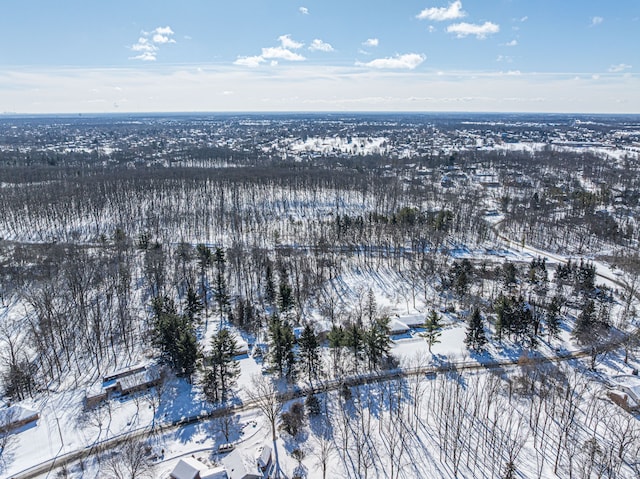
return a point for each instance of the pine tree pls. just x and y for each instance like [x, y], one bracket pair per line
[281, 342]
[552, 317]
[224, 369]
[309, 352]
[175, 336]
[377, 342]
[205, 258]
[371, 306]
[354, 340]
[193, 304]
[269, 287]
[285, 293]
[475, 338]
[220, 292]
[585, 322]
[432, 329]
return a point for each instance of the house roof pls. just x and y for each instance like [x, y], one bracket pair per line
[263, 455]
[631, 383]
[238, 468]
[187, 468]
[16, 414]
[397, 326]
[214, 473]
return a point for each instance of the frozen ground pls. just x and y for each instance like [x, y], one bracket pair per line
[64, 426]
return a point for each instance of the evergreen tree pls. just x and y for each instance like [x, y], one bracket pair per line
[281, 342]
[220, 292]
[175, 336]
[509, 274]
[377, 342]
[223, 371]
[552, 317]
[354, 340]
[285, 293]
[475, 338]
[312, 404]
[432, 329]
[585, 322]
[309, 352]
[269, 287]
[193, 304]
[205, 259]
[371, 306]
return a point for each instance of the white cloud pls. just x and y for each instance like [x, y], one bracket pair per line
[288, 43]
[524, 19]
[251, 62]
[304, 10]
[619, 68]
[439, 14]
[145, 57]
[596, 21]
[371, 42]
[148, 43]
[281, 53]
[164, 30]
[512, 43]
[158, 38]
[320, 46]
[407, 61]
[480, 31]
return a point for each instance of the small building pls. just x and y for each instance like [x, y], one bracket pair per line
[120, 373]
[238, 467]
[398, 327]
[214, 473]
[16, 416]
[191, 468]
[263, 457]
[629, 387]
[413, 320]
[188, 468]
[120, 383]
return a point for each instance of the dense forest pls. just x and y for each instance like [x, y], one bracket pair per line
[124, 240]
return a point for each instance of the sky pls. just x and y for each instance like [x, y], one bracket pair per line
[92, 56]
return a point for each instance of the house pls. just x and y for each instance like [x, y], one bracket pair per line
[629, 387]
[413, 320]
[214, 473]
[14, 417]
[188, 468]
[238, 467]
[191, 468]
[123, 382]
[120, 373]
[263, 457]
[398, 327]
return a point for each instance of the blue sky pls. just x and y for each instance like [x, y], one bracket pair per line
[320, 55]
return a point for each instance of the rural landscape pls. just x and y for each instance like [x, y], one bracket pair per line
[319, 295]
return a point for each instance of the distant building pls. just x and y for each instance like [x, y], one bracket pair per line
[240, 467]
[14, 417]
[629, 392]
[188, 468]
[122, 382]
[398, 327]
